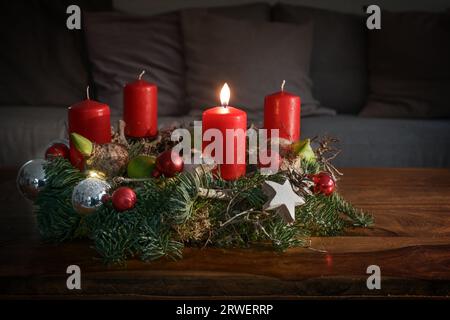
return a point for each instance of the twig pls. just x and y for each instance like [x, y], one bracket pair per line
[314, 249]
[317, 250]
[204, 169]
[122, 138]
[234, 198]
[243, 213]
[260, 226]
[213, 193]
[120, 180]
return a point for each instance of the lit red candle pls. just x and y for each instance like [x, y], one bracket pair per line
[91, 119]
[140, 108]
[282, 111]
[231, 122]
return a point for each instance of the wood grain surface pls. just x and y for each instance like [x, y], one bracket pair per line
[410, 242]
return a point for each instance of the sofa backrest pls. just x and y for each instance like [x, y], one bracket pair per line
[337, 66]
[121, 45]
[339, 55]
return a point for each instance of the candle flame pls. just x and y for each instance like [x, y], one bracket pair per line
[225, 95]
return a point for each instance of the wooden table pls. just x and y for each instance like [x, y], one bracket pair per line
[410, 242]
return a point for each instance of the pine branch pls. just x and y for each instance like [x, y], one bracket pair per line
[172, 212]
[57, 220]
[285, 236]
[318, 217]
[357, 217]
[184, 191]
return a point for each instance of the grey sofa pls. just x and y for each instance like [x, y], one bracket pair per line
[25, 133]
[26, 130]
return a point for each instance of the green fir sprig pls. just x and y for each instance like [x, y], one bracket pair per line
[171, 213]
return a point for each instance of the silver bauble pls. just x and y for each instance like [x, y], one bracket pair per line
[87, 195]
[31, 178]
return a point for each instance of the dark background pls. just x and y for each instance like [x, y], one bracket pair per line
[383, 93]
[351, 6]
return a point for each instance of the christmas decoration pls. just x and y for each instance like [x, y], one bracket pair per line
[323, 183]
[31, 178]
[200, 169]
[168, 163]
[282, 112]
[140, 108]
[141, 166]
[325, 153]
[92, 119]
[192, 208]
[57, 150]
[57, 141]
[222, 119]
[87, 195]
[110, 158]
[124, 199]
[282, 198]
[223, 205]
[303, 149]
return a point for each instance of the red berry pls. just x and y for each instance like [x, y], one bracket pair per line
[123, 199]
[57, 150]
[169, 163]
[323, 183]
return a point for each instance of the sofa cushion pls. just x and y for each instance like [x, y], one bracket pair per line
[121, 45]
[42, 62]
[372, 142]
[409, 66]
[26, 131]
[252, 57]
[338, 59]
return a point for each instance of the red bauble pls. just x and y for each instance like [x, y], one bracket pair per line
[168, 163]
[57, 150]
[123, 198]
[323, 183]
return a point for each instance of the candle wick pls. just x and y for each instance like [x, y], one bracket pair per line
[142, 73]
[87, 93]
[282, 85]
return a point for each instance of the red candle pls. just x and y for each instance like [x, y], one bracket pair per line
[282, 111]
[140, 108]
[224, 118]
[91, 119]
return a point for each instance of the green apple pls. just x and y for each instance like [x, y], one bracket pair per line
[141, 166]
[82, 144]
[304, 150]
